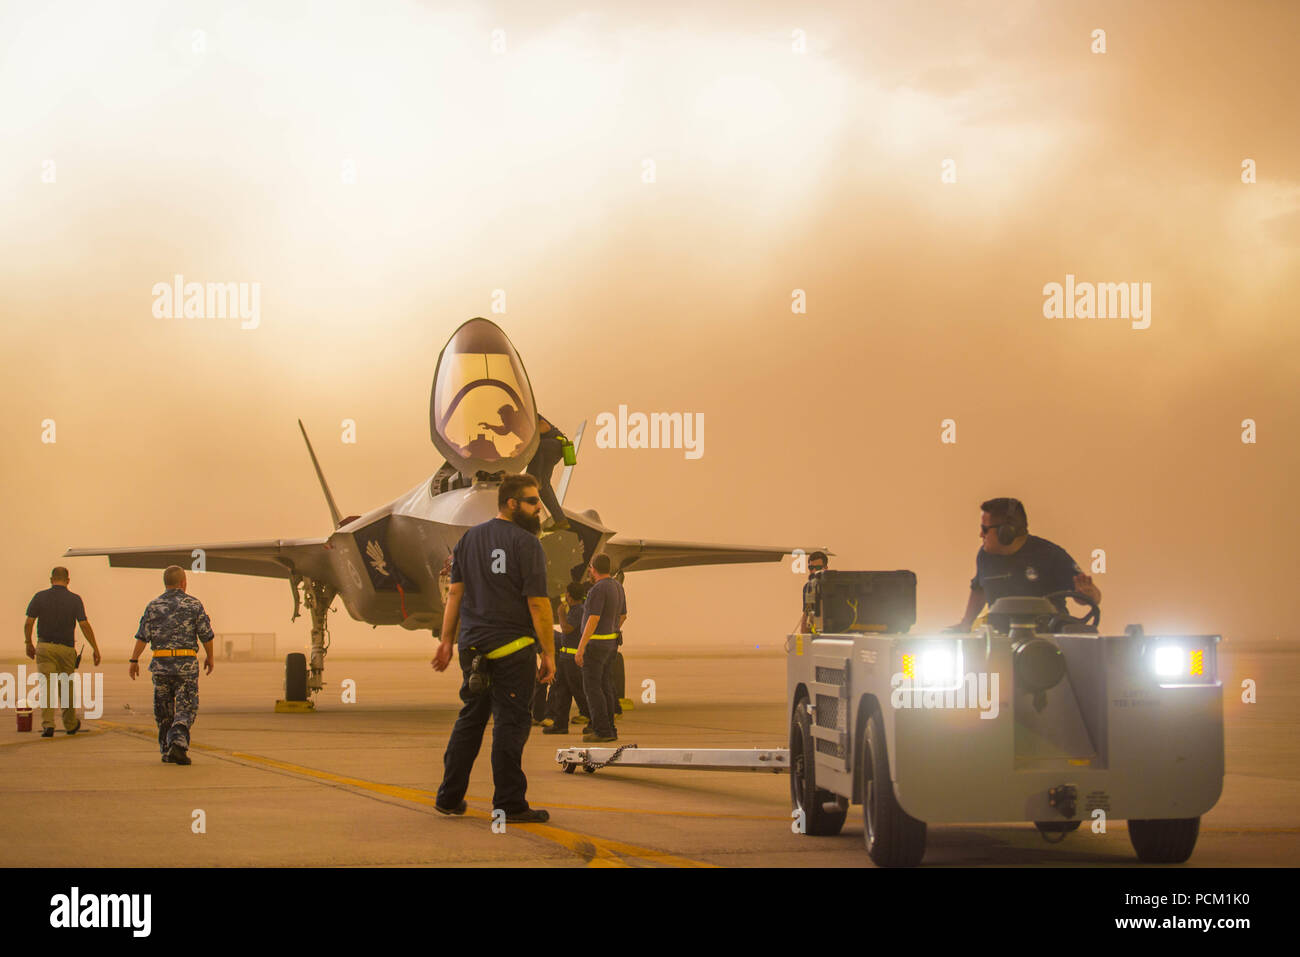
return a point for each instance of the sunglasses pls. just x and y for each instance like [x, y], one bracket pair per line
[985, 529]
[817, 568]
[530, 499]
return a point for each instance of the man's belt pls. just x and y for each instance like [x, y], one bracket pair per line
[175, 653]
[568, 651]
[509, 649]
[603, 637]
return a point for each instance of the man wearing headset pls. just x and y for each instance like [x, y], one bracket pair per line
[817, 563]
[1013, 562]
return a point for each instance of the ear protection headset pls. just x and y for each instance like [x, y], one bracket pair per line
[1016, 523]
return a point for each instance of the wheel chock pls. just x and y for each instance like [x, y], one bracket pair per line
[294, 707]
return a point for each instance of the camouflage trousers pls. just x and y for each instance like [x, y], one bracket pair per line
[175, 708]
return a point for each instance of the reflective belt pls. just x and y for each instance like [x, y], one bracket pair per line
[175, 653]
[568, 651]
[510, 649]
[603, 637]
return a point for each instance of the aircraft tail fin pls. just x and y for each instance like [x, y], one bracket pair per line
[335, 514]
[568, 469]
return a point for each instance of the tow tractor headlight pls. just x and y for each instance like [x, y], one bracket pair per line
[1182, 661]
[934, 665]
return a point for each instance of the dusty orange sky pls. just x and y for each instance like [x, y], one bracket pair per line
[221, 155]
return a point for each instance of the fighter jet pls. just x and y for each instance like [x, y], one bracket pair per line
[392, 565]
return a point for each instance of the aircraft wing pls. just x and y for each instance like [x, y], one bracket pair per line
[642, 554]
[268, 559]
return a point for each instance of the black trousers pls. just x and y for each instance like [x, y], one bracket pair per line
[507, 702]
[616, 680]
[596, 663]
[549, 452]
[566, 689]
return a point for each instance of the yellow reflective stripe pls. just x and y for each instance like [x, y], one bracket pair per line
[511, 648]
[174, 652]
[571, 651]
[602, 637]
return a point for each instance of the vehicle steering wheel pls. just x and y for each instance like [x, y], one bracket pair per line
[1090, 620]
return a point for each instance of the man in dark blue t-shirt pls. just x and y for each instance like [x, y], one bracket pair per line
[606, 610]
[568, 677]
[56, 613]
[497, 609]
[1013, 562]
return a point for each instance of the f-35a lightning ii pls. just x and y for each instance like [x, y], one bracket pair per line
[391, 566]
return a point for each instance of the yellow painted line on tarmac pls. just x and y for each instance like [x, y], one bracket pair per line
[597, 851]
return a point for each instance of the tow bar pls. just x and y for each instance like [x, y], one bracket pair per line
[774, 760]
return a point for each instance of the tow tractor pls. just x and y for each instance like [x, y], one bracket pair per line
[1034, 716]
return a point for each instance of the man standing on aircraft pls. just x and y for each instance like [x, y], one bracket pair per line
[497, 608]
[1013, 562]
[57, 612]
[550, 450]
[606, 610]
[174, 623]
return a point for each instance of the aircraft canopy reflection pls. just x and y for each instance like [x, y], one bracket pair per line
[481, 413]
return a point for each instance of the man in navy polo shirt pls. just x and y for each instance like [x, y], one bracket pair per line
[497, 609]
[568, 680]
[606, 610]
[57, 612]
[1013, 562]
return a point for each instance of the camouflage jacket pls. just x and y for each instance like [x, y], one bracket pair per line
[174, 620]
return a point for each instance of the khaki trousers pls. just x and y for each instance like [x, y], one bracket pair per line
[53, 659]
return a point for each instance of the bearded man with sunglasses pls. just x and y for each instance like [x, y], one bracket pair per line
[1013, 562]
[497, 610]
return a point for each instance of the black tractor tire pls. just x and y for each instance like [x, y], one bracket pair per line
[893, 837]
[1164, 841]
[823, 812]
[1057, 827]
[295, 677]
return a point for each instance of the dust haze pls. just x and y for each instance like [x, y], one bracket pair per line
[380, 172]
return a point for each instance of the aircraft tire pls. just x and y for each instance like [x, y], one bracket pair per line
[295, 677]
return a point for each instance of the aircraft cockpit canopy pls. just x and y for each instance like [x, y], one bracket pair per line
[481, 414]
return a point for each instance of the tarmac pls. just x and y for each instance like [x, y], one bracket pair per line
[354, 784]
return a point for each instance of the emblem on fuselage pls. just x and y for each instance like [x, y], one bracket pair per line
[376, 556]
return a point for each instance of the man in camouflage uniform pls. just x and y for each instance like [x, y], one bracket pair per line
[174, 623]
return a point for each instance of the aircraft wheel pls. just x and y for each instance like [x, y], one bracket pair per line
[1164, 841]
[569, 767]
[894, 838]
[589, 769]
[823, 812]
[295, 677]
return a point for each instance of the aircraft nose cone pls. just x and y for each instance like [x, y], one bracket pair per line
[482, 416]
